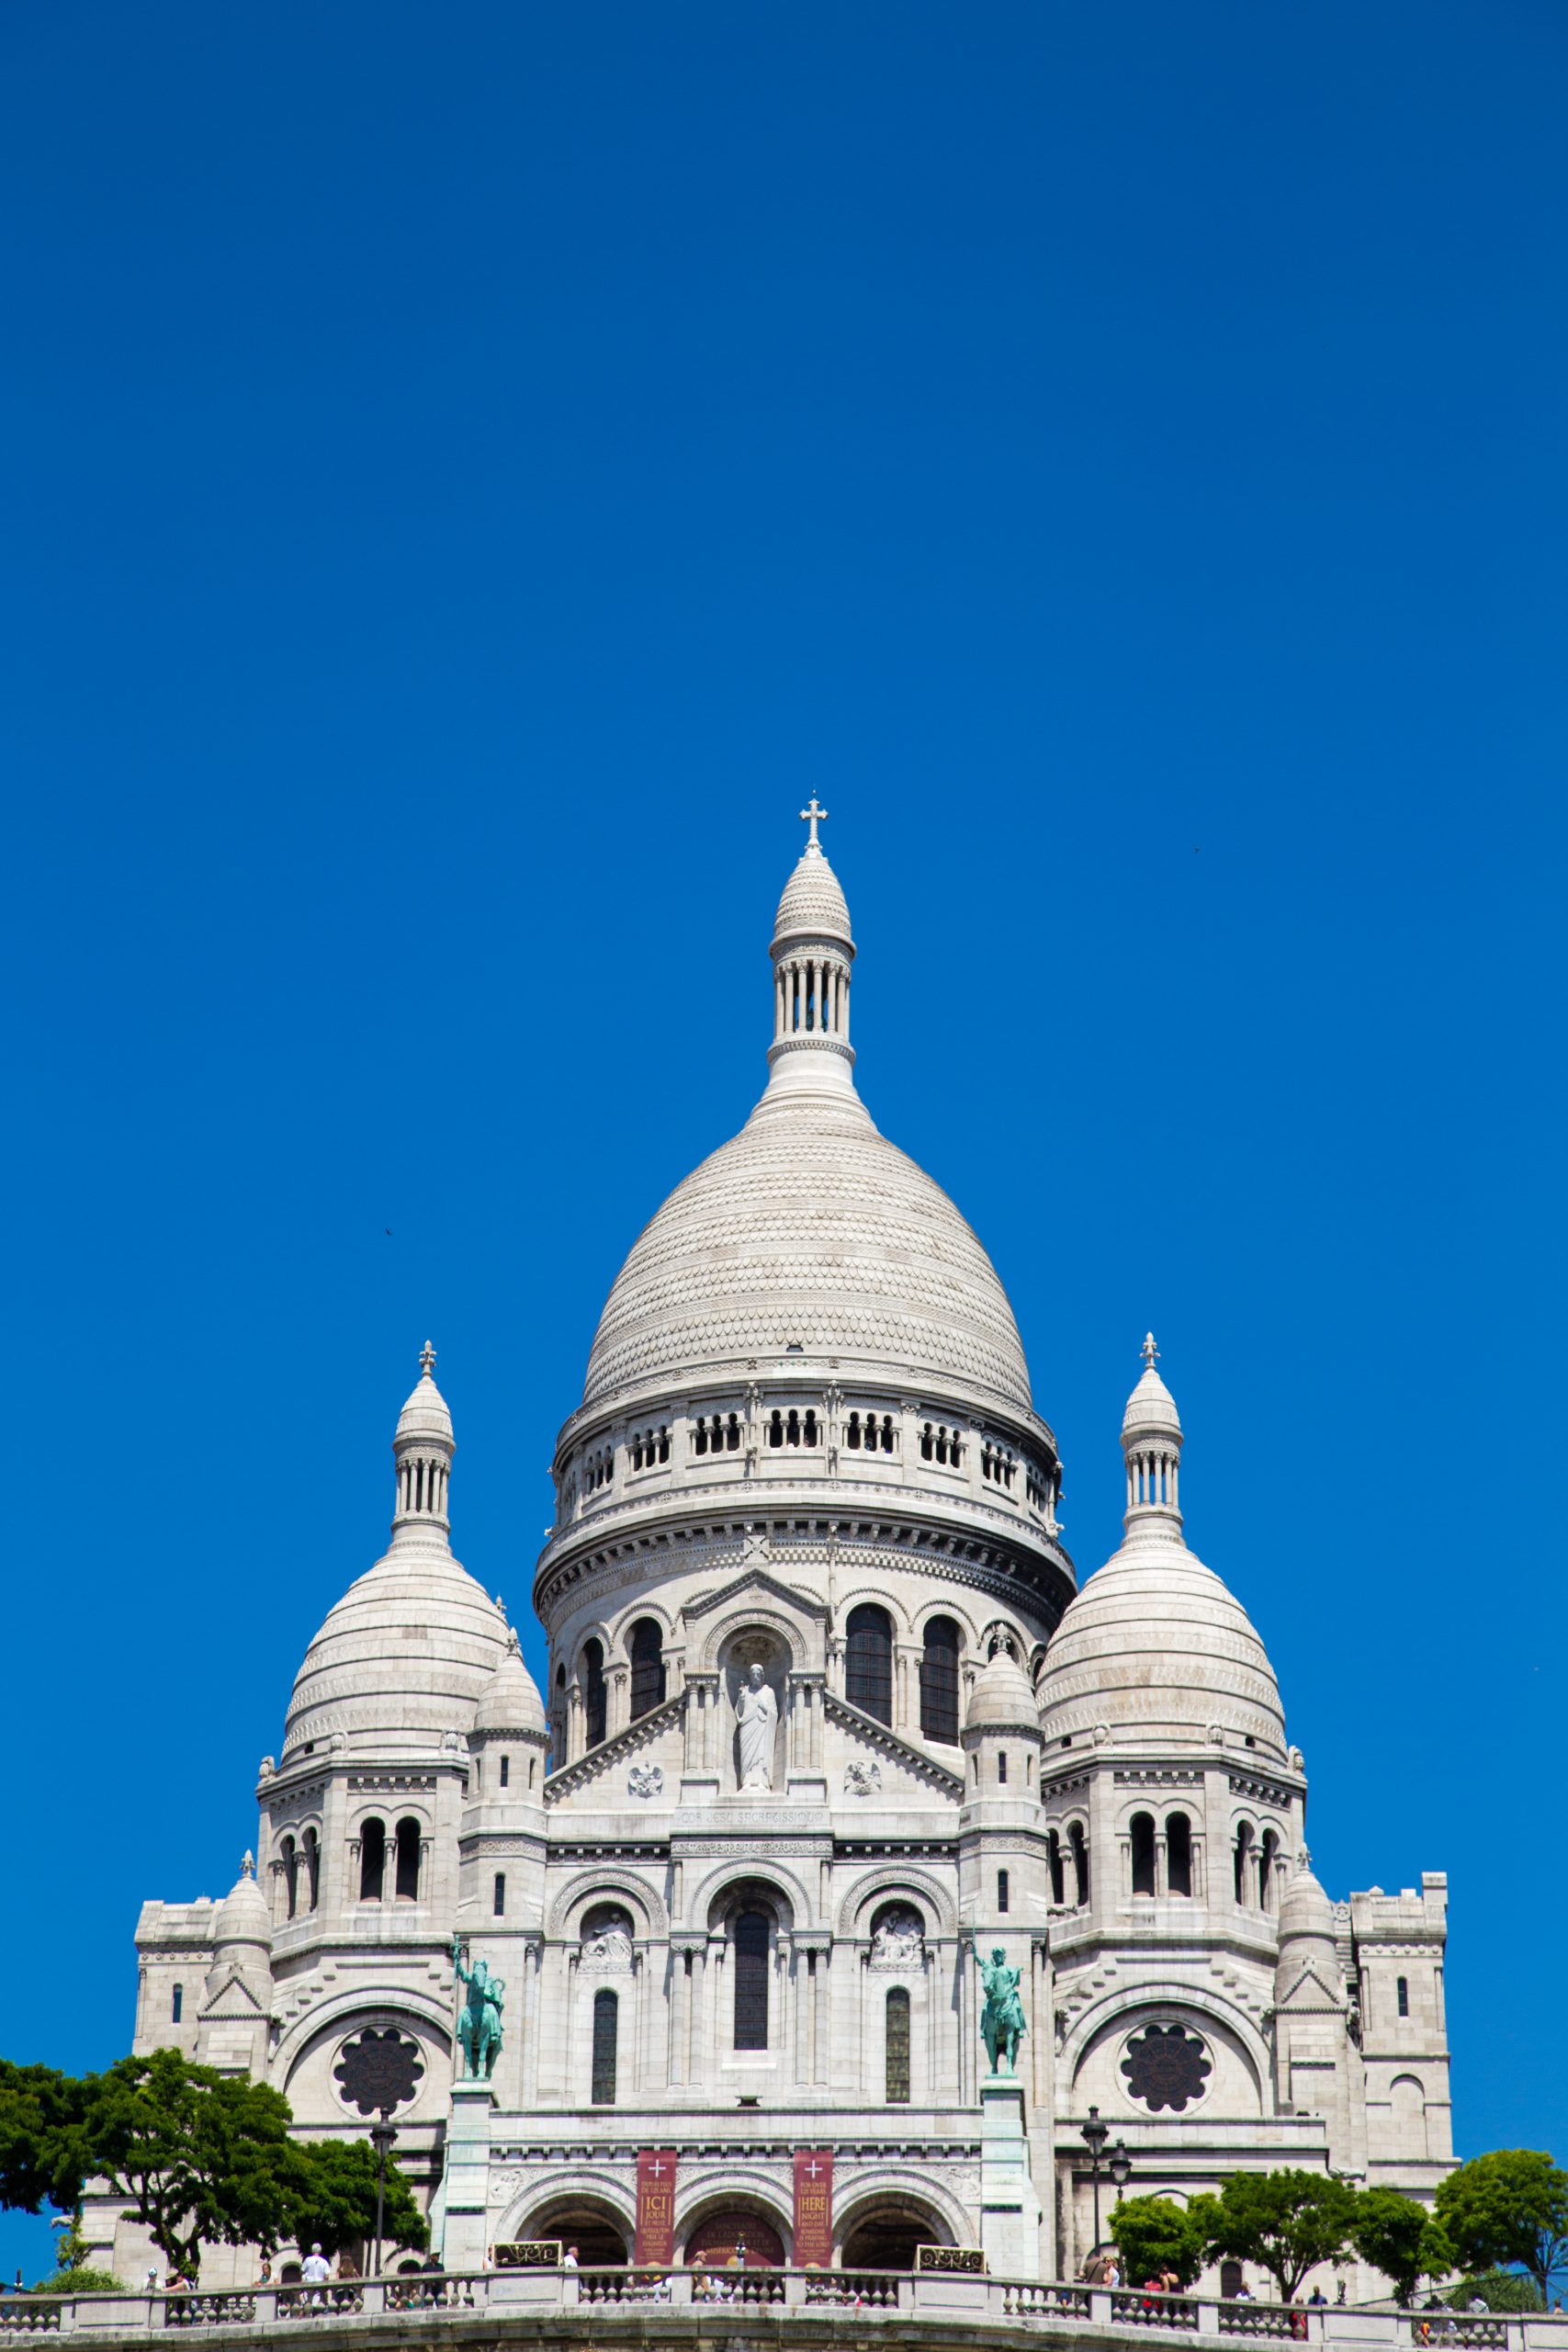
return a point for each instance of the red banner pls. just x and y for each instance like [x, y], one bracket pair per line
[813, 2207]
[655, 2206]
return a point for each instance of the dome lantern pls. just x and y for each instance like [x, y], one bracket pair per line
[1151, 1441]
[812, 951]
[423, 1447]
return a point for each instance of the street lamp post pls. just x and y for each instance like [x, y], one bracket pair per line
[382, 2135]
[1120, 2167]
[1095, 2135]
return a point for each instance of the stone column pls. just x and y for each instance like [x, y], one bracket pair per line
[574, 1748]
[533, 1964]
[618, 1712]
[906, 1689]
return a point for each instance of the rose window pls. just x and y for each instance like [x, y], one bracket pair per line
[1166, 2066]
[380, 2067]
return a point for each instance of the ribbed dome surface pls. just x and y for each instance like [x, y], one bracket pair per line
[1155, 1643]
[510, 1700]
[411, 1644]
[808, 1229]
[1305, 1911]
[243, 1916]
[1003, 1698]
[426, 1415]
[813, 901]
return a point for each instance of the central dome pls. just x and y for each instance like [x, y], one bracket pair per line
[809, 1233]
[809, 1230]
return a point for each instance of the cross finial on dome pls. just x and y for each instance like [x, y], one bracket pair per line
[1148, 1351]
[248, 1864]
[427, 1360]
[813, 816]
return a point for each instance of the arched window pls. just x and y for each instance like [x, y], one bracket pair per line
[1178, 1854]
[372, 1861]
[1266, 1861]
[1058, 1875]
[751, 1939]
[1401, 1993]
[1243, 1865]
[1004, 1898]
[1233, 2278]
[606, 2019]
[647, 1666]
[1080, 1844]
[291, 1875]
[408, 1861]
[899, 2047]
[505, 1771]
[177, 2005]
[595, 1694]
[939, 1681]
[501, 1894]
[1142, 1853]
[868, 1664]
[312, 1856]
[1002, 1768]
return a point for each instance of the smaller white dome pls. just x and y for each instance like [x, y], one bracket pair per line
[243, 1916]
[510, 1700]
[1305, 1913]
[425, 1414]
[1003, 1699]
[813, 904]
[1151, 1405]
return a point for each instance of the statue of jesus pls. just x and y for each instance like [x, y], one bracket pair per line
[756, 1712]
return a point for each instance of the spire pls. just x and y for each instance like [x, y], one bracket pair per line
[422, 1448]
[812, 952]
[1151, 1441]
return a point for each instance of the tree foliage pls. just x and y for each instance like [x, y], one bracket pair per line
[43, 2153]
[333, 2200]
[1508, 2208]
[1500, 2291]
[1286, 2223]
[195, 2154]
[1403, 2239]
[1153, 2234]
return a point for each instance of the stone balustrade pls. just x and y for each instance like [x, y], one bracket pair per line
[930, 2307]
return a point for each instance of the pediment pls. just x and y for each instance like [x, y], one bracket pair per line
[1308, 1984]
[751, 1581]
[233, 1999]
[875, 1739]
[647, 1731]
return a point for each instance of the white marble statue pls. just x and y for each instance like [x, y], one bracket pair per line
[756, 1712]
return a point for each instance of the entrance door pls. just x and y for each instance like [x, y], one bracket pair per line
[718, 2236]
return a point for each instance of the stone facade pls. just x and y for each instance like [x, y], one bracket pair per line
[823, 1705]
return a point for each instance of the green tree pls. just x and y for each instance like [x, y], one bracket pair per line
[333, 2199]
[194, 2155]
[1404, 2240]
[43, 2156]
[1500, 2291]
[1508, 2208]
[1155, 2234]
[1286, 2223]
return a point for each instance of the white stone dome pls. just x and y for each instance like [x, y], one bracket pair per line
[1003, 1698]
[813, 904]
[510, 1700]
[1305, 1913]
[403, 1656]
[808, 1230]
[243, 1916]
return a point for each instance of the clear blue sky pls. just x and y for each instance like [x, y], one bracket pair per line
[468, 475]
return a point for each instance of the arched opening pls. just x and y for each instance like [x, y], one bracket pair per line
[1267, 1883]
[372, 1861]
[290, 1878]
[1402, 1995]
[1242, 1858]
[176, 2006]
[718, 2238]
[408, 1859]
[868, 1661]
[606, 2009]
[590, 1675]
[898, 2047]
[499, 1895]
[1178, 1854]
[885, 2236]
[1058, 1875]
[1408, 2100]
[313, 1858]
[1080, 1844]
[1142, 1828]
[1233, 2278]
[647, 1666]
[751, 1936]
[597, 2235]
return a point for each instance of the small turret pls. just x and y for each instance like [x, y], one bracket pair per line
[423, 1447]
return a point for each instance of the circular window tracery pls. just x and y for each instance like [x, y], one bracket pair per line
[1166, 2066]
[379, 2067]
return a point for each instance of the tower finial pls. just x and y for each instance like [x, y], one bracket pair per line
[814, 817]
[1148, 1351]
[248, 1864]
[427, 1360]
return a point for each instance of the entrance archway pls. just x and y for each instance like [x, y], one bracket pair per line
[596, 2233]
[717, 2236]
[883, 2237]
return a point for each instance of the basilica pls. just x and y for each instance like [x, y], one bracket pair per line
[828, 1723]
